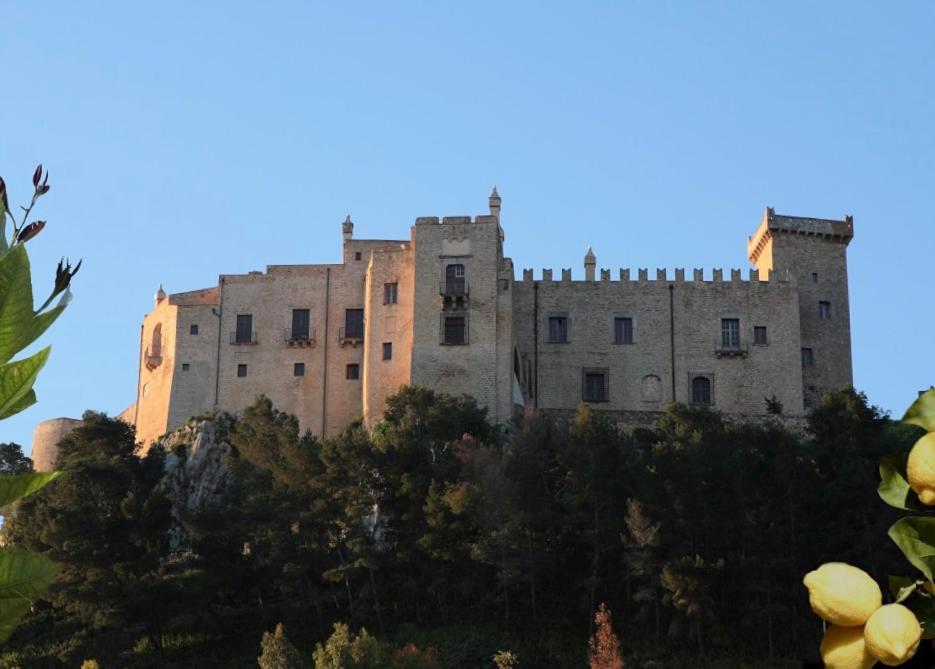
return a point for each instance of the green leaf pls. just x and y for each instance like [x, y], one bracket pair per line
[915, 537]
[16, 315]
[897, 584]
[24, 402]
[922, 411]
[17, 486]
[924, 608]
[24, 578]
[894, 488]
[16, 379]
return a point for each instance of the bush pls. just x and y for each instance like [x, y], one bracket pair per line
[278, 651]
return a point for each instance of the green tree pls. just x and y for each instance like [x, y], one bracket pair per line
[106, 525]
[277, 652]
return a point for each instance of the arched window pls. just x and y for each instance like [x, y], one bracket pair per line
[155, 349]
[701, 390]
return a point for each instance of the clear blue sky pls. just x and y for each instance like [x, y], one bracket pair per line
[188, 139]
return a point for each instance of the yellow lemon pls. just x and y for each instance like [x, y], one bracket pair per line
[844, 648]
[920, 468]
[842, 594]
[892, 634]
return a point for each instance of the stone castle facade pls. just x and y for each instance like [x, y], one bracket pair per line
[444, 309]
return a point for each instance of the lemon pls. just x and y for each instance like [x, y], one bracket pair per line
[892, 634]
[844, 648]
[842, 594]
[920, 468]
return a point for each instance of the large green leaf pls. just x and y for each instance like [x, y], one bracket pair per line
[24, 402]
[24, 578]
[16, 314]
[16, 379]
[922, 411]
[915, 537]
[894, 488]
[17, 486]
[42, 321]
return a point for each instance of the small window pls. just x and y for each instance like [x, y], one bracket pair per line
[759, 335]
[558, 329]
[390, 293]
[357, 255]
[354, 323]
[454, 280]
[824, 311]
[808, 357]
[193, 329]
[353, 372]
[814, 277]
[623, 330]
[241, 370]
[185, 366]
[301, 319]
[298, 369]
[730, 333]
[388, 350]
[454, 330]
[244, 333]
[701, 390]
[594, 386]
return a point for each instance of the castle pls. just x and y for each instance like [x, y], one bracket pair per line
[443, 309]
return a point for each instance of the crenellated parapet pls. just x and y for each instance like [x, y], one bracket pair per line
[677, 276]
[772, 224]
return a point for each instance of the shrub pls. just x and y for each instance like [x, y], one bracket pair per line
[278, 652]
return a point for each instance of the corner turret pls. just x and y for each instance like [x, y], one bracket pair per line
[348, 228]
[494, 202]
[160, 295]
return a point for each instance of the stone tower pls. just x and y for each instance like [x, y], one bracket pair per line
[812, 253]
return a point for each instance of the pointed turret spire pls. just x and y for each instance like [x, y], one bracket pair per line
[160, 294]
[348, 227]
[494, 202]
[590, 264]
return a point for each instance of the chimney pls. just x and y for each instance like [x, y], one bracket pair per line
[494, 201]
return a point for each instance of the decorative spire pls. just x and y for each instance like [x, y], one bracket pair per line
[494, 202]
[160, 294]
[590, 264]
[348, 227]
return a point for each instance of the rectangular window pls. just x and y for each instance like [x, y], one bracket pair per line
[185, 367]
[388, 350]
[354, 323]
[558, 330]
[193, 329]
[357, 255]
[301, 319]
[454, 330]
[824, 311]
[241, 370]
[244, 334]
[808, 357]
[814, 277]
[390, 293]
[730, 333]
[759, 334]
[298, 369]
[594, 386]
[353, 372]
[623, 330]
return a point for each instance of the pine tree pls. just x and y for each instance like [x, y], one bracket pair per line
[604, 646]
[278, 652]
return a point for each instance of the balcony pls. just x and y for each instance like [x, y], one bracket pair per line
[724, 349]
[453, 288]
[243, 338]
[352, 336]
[297, 339]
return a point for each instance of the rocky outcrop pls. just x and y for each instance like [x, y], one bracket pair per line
[196, 472]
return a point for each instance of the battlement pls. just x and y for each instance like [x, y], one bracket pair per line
[772, 224]
[663, 276]
[456, 220]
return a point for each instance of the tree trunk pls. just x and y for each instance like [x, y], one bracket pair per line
[376, 601]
